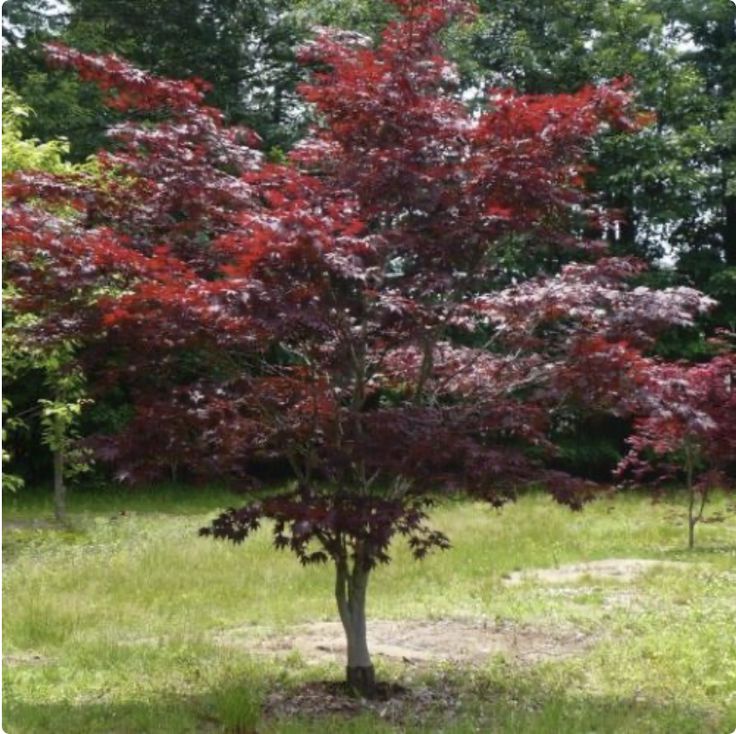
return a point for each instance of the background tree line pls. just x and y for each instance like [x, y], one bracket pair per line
[674, 183]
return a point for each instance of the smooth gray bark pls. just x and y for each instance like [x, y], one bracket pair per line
[350, 593]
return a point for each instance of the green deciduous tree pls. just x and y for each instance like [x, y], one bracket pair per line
[243, 48]
[27, 154]
[673, 182]
[63, 392]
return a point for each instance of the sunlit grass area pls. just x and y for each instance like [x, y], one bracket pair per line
[113, 623]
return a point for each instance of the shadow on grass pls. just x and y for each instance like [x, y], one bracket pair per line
[454, 703]
[223, 709]
[34, 505]
[699, 551]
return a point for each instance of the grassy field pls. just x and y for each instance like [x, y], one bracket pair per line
[115, 623]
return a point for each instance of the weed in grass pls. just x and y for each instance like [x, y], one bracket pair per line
[237, 706]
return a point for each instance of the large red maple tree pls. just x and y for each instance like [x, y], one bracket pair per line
[353, 310]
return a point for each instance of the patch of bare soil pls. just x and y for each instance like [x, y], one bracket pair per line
[418, 641]
[624, 570]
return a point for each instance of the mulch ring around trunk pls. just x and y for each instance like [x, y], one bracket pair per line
[390, 701]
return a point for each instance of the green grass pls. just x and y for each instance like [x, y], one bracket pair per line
[109, 624]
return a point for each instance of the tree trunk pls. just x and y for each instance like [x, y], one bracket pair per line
[691, 518]
[59, 486]
[350, 593]
[729, 231]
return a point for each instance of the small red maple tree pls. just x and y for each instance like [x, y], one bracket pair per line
[686, 426]
[341, 311]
